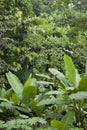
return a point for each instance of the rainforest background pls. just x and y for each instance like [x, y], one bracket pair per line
[35, 35]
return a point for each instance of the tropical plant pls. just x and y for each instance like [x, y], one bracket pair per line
[72, 90]
[34, 36]
[58, 102]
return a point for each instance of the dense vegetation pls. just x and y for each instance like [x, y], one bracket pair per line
[37, 39]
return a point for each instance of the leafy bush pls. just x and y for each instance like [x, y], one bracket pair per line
[58, 102]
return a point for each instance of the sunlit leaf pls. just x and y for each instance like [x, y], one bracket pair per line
[83, 84]
[15, 98]
[57, 124]
[15, 83]
[62, 79]
[70, 70]
[44, 82]
[54, 92]
[51, 101]
[30, 82]
[29, 92]
[44, 76]
[79, 95]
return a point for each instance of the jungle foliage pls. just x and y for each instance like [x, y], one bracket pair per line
[57, 101]
[36, 36]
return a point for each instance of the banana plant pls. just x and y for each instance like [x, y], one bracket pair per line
[72, 89]
[75, 89]
[23, 95]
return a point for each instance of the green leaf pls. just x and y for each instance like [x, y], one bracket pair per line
[27, 83]
[77, 79]
[79, 95]
[62, 79]
[9, 93]
[7, 105]
[15, 99]
[30, 82]
[15, 83]
[3, 93]
[83, 84]
[54, 92]
[51, 101]
[44, 76]
[35, 108]
[29, 92]
[57, 124]
[68, 120]
[45, 82]
[55, 72]
[23, 110]
[3, 100]
[70, 70]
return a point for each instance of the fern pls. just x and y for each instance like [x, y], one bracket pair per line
[23, 124]
[47, 128]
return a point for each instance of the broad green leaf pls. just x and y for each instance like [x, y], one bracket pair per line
[30, 82]
[44, 76]
[79, 95]
[70, 70]
[83, 84]
[54, 92]
[51, 101]
[77, 79]
[29, 92]
[15, 99]
[7, 105]
[71, 90]
[62, 79]
[35, 108]
[33, 82]
[15, 83]
[44, 82]
[57, 124]
[55, 72]
[3, 93]
[68, 120]
[23, 110]
[27, 83]
[3, 100]
[9, 93]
